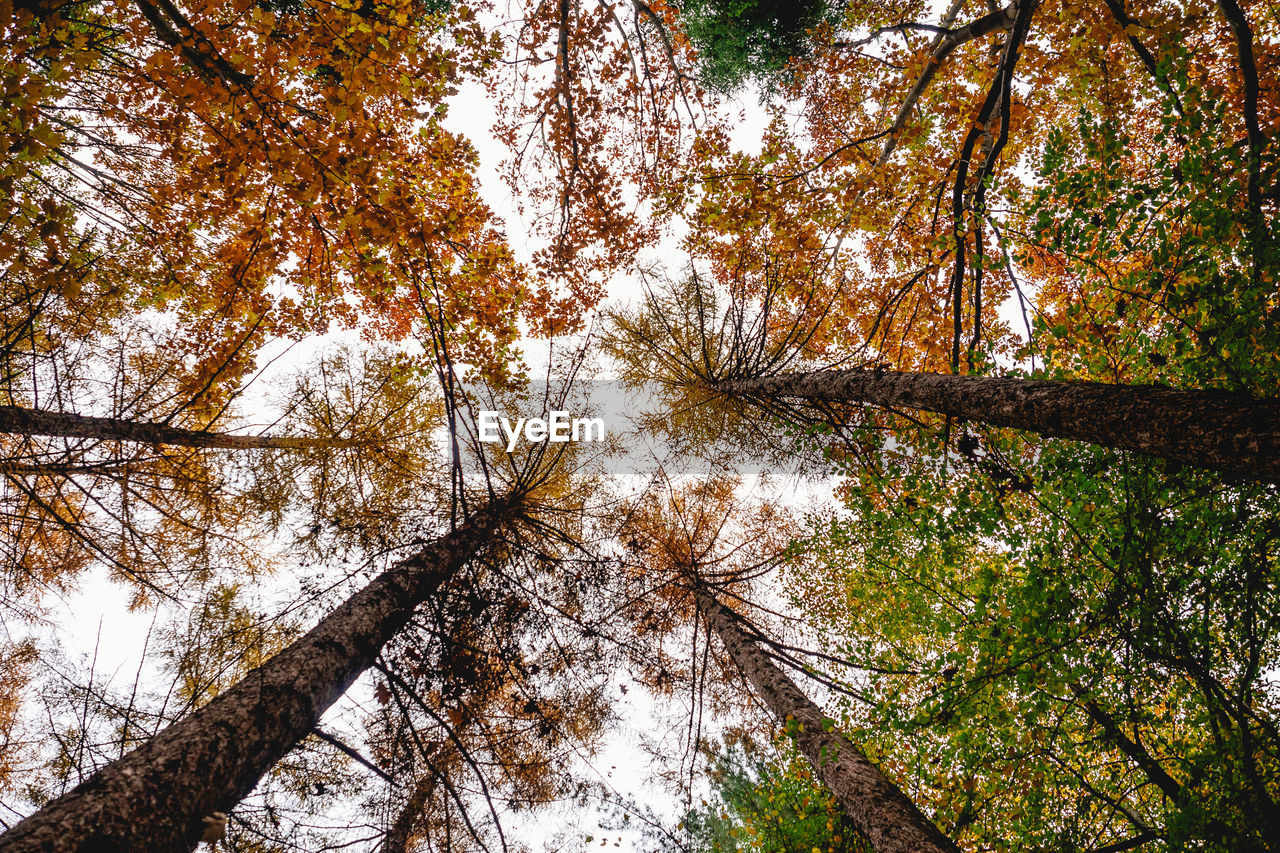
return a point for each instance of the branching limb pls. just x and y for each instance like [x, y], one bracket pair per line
[942, 48]
[1128, 24]
[997, 94]
[173, 28]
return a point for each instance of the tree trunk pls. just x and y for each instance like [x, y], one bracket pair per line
[403, 828]
[1212, 429]
[877, 807]
[14, 419]
[154, 798]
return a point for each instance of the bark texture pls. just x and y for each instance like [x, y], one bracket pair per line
[876, 806]
[14, 419]
[154, 798]
[1211, 429]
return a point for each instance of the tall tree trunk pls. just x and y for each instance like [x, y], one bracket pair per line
[14, 419]
[405, 826]
[155, 798]
[1212, 429]
[877, 807]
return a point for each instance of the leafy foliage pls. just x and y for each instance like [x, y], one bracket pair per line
[749, 40]
[1052, 646]
[762, 803]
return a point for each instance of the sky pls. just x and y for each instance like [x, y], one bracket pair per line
[96, 625]
[98, 632]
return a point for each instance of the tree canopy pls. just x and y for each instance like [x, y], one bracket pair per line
[941, 509]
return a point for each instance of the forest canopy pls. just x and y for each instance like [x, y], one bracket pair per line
[938, 352]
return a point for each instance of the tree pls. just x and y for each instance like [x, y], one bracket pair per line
[750, 41]
[770, 804]
[1056, 645]
[696, 350]
[157, 796]
[1072, 664]
[1135, 253]
[21, 421]
[254, 178]
[1235, 433]
[163, 508]
[187, 185]
[461, 689]
[877, 807]
[695, 537]
[484, 700]
[900, 184]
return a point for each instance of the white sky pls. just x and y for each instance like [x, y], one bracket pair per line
[96, 616]
[94, 624]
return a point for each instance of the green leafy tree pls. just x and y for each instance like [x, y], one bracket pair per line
[1063, 650]
[767, 801]
[742, 41]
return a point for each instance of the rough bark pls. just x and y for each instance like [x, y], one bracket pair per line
[14, 419]
[154, 798]
[876, 806]
[1223, 431]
